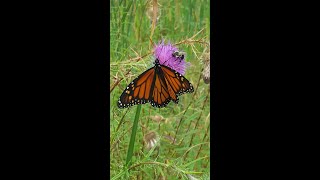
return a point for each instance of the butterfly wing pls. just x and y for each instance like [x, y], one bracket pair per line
[158, 85]
[160, 93]
[177, 83]
[138, 91]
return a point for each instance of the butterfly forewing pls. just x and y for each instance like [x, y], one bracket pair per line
[138, 91]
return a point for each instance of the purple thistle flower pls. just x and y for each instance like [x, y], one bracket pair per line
[164, 54]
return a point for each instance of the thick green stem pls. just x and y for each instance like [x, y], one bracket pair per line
[133, 135]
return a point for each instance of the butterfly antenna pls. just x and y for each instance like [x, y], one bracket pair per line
[167, 59]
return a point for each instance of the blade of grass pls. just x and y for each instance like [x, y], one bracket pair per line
[192, 162]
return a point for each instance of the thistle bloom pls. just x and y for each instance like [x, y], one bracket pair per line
[164, 54]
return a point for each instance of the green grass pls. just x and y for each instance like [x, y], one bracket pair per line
[188, 121]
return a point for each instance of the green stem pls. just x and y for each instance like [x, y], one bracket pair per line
[133, 135]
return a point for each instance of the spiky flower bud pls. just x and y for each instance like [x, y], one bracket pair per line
[151, 9]
[151, 139]
[206, 69]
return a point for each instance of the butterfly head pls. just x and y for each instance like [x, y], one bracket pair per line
[157, 62]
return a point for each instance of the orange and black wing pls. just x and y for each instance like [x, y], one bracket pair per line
[158, 85]
[160, 92]
[138, 91]
[177, 84]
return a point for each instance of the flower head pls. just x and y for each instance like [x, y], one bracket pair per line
[166, 54]
[151, 139]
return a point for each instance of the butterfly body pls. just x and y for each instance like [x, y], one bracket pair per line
[158, 86]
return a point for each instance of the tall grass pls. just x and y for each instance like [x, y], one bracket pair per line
[183, 143]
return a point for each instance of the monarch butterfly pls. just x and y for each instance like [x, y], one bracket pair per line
[157, 85]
